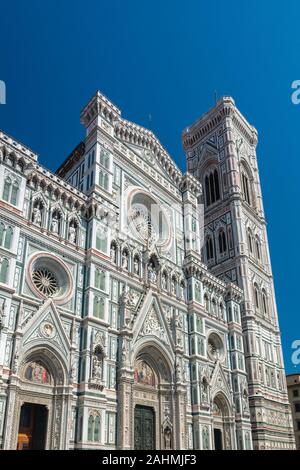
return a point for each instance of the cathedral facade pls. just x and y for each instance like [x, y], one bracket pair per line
[137, 307]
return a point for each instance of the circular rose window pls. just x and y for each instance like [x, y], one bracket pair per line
[45, 281]
[48, 276]
[215, 347]
[148, 219]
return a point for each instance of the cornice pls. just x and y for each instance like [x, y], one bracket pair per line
[208, 122]
[10, 145]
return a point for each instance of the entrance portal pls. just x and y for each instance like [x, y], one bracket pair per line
[144, 425]
[218, 439]
[32, 427]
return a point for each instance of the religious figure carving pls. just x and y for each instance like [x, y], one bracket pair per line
[152, 276]
[37, 216]
[113, 253]
[204, 390]
[125, 260]
[136, 266]
[2, 314]
[55, 223]
[245, 401]
[178, 369]
[72, 233]
[168, 438]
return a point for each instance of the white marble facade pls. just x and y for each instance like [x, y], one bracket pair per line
[134, 295]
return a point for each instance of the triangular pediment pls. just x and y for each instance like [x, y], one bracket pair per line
[219, 381]
[151, 322]
[208, 151]
[150, 160]
[46, 327]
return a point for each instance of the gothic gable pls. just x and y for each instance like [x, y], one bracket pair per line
[151, 160]
[151, 322]
[219, 382]
[46, 327]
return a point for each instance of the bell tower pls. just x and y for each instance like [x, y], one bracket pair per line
[220, 150]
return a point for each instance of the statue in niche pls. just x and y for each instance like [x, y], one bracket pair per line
[168, 438]
[37, 215]
[152, 276]
[178, 369]
[164, 282]
[125, 260]
[173, 286]
[204, 390]
[113, 253]
[2, 314]
[72, 233]
[125, 350]
[97, 367]
[245, 401]
[136, 266]
[55, 223]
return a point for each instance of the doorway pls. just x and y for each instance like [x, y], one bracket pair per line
[32, 427]
[218, 439]
[144, 425]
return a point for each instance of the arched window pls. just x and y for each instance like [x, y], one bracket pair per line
[214, 306]
[250, 241]
[222, 242]
[99, 279]
[216, 184]
[101, 239]
[207, 191]
[14, 193]
[222, 311]
[209, 248]
[246, 188]
[182, 290]
[2, 233]
[212, 187]
[103, 180]
[197, 292]
[265, 302]
[174, 285]
[258, 250]
[104, 158]
[8, 237]
[256, 296]
[7, 189]
[91, 424]
[206, 302]
[97, 429]
[98, 307]
[4, 270]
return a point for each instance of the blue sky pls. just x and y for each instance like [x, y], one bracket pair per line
[165, 59]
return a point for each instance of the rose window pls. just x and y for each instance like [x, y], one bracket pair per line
[215, 347]
[45, 281]
[148, 219]
[49, 276]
